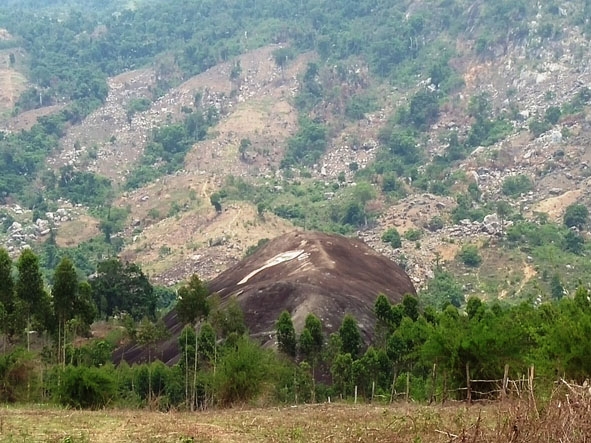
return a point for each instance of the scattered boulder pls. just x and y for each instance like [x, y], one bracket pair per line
[491, 224]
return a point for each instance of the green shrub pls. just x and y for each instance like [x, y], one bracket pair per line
[435, 224]
[86, 388]
[413, 234]
[469, 256]
[393, 237]
[552, 115]
[358, 106]
[17, 373]
[576, 215]
[243, 372]
[515, 185]
[538, 127]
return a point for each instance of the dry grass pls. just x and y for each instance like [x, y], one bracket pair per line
[12, 83]
[565, 420]
[334, 423]
[555, 206]
[74, 232]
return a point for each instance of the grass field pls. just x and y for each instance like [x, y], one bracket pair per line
[334, 422]
[513, 421]
[564, 417]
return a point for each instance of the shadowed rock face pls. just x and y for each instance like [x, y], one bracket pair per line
[301, 272]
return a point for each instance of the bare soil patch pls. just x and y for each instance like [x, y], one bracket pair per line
[201, 241]
[26, 120]
[555, 206]
[120, 142]
[74, 232]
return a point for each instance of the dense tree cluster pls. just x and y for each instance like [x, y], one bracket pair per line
[417, 351]
[482, 337]
[70, 305]
[122, 287]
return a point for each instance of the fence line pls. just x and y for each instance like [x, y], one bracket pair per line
[504, 386]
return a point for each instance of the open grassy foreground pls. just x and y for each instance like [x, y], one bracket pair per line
[498, 422]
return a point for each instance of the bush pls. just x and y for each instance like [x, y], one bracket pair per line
[243, 371]
[435, 224]
[538, 127]
[358, 106]
[443, 288]
[469, 256]
[576, 215]
[82, 387]
[517, 184]
[413, 234]
[393, 237]
[16, 374]
[552, 115]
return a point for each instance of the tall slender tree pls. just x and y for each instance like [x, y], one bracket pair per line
[350, 335]
[311, 344]
[192, 302]
[286, 336]
[65, 293]
[6, 294]
[30, 290]
[193, 307]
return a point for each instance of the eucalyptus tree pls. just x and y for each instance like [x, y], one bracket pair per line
[7, 297]
[30, 292]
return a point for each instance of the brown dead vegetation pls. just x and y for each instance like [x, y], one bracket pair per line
[74, 232]
[564, 418]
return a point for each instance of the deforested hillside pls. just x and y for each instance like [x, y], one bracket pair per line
[390, 196]
[450, 136]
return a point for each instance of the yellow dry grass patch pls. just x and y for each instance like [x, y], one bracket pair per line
[306, 423]
[26, 120]
[12, 84]
[447, 251]
[174, 240]
[555, 206]
[74, 232]
[514, 420]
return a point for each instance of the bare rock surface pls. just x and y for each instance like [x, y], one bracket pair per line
[301, 272]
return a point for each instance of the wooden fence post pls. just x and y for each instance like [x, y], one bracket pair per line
[433, 382]
[407, 386]
[468, 385]
[505, 382]
[444, 393]
[393, 385]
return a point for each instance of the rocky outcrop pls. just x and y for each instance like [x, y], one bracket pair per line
[301, 272]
